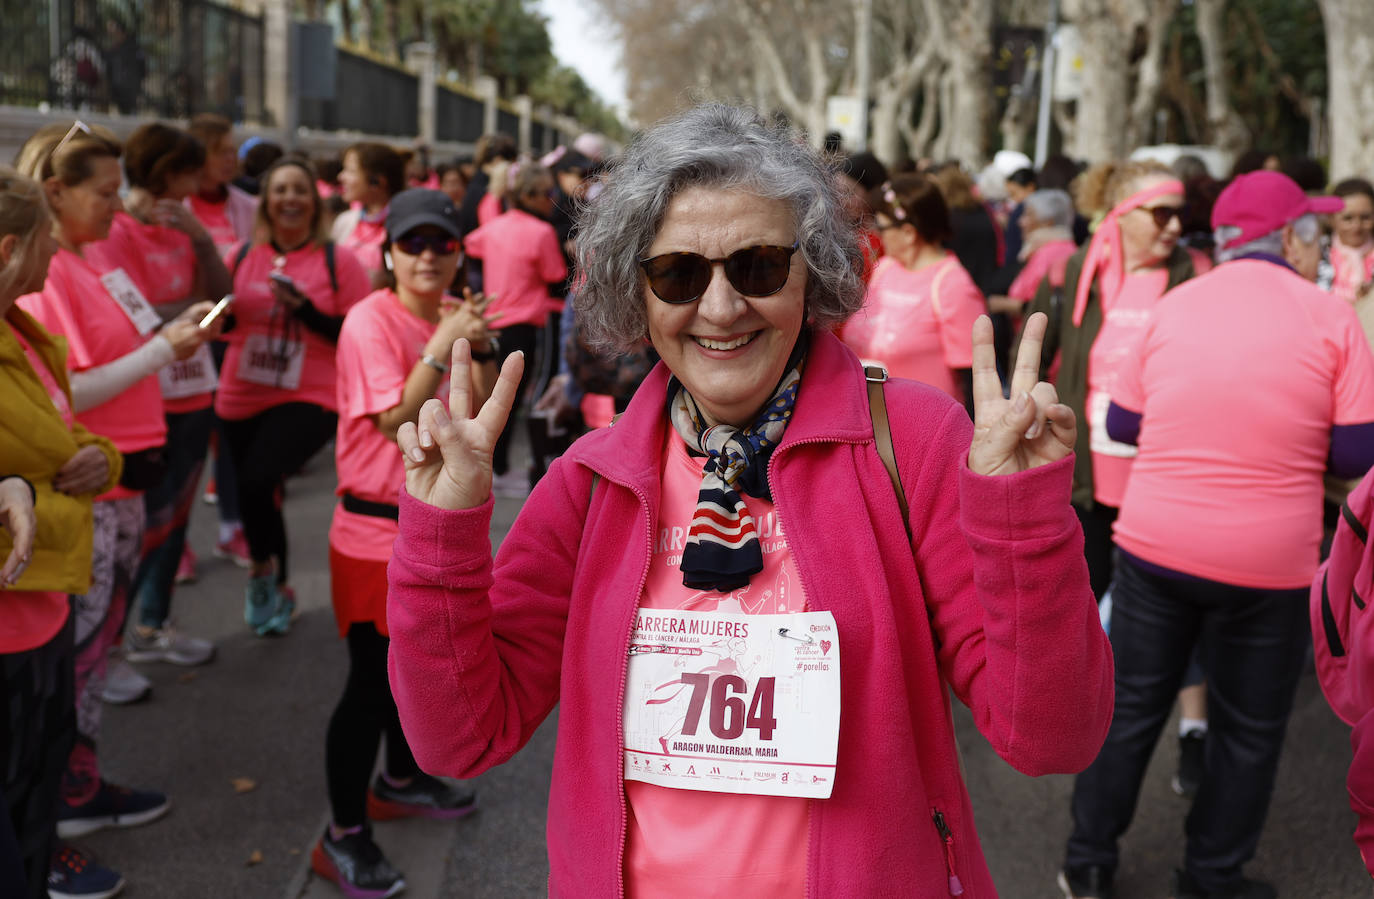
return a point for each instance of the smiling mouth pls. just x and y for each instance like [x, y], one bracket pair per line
[732, 344]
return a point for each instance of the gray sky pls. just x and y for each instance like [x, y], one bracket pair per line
[582, 41]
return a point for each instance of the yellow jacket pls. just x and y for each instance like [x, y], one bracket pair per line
[35, 442]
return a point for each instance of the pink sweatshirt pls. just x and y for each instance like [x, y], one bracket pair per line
[990, 598]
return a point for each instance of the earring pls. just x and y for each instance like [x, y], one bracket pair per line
[386, 258]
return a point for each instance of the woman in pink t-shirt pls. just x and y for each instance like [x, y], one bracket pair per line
[277, 386]
[174, 263]
[1352, 245]
[117, 343]
[372, 174]
[394, 352]
[523, 270]
[918, 316]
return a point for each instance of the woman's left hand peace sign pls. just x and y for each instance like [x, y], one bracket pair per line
[1032, 428]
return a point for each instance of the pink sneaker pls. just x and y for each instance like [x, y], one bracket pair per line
[186, 568]
[235, 550]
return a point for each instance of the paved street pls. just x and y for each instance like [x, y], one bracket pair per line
[260, 710]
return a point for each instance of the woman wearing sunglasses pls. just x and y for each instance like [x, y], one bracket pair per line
[703, 586]
[1109, 286]
[921, 304]
[523, 272]
[393, 355]
[277, 384]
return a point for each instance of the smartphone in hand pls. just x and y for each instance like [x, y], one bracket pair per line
[216, 312]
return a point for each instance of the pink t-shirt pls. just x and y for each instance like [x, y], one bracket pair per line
[1240, 376]
[366, 239]
[1047, 261]
[919, 325]
[1119, 337]
[520, 259]
[1352, 268]
[266, 337]
[162, 263]
[379, 345]
[692, 843]
[76, 304]
[215, 219]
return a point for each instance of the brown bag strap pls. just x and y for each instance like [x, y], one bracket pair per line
[876, 376]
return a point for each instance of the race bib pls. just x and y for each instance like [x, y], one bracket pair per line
[731, 703]
[189, 377]
[1098, 403]
[131, 300]
[272, 363]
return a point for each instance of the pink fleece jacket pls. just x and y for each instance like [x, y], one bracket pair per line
[991, 597]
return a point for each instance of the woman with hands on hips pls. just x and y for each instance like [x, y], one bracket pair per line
[51, 463]
[709, 512]
[276, 394]
[393, 355]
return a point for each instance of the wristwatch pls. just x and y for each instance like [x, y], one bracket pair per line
[435, 364]
[491, 354]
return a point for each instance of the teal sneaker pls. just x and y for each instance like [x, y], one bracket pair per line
[280, 622]
[261, 604]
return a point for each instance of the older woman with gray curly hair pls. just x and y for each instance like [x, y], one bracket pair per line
[749, 706]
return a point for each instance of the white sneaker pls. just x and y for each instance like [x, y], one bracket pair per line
[124, 685]
[166, 644]
[514, 484]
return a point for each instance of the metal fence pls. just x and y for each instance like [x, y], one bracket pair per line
[508, 123]
[169, 58]
[458, 117]
[369, 96]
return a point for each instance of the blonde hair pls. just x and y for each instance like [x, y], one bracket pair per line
[24, 213]
[956, 187]
[1106, 184]
[45, 155]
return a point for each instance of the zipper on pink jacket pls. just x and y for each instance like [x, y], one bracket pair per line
[956, 888]
[624, 675]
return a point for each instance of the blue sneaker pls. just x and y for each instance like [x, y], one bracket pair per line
[111, 806]
[72, 875]
[267, 607]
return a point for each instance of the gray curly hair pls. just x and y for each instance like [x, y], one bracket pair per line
[715, 146]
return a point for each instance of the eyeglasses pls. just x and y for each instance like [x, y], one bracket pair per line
[1162, 214]
[754, 271]
[415, 244]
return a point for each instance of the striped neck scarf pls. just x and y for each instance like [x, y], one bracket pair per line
[722, 550]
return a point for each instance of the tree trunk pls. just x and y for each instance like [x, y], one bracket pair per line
[1350, 92]
[1150, 74]
[962, 30]
[392, 9]
[1102, 109]
[918, 139]
[369, 35]
[1228, 131]
[1019, 116]
[346, 19]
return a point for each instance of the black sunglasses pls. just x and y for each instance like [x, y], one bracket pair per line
[753, 271]
[1162, 214]
[415, 244]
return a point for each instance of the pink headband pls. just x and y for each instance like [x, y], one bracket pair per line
[890, 197]
[1104, 251]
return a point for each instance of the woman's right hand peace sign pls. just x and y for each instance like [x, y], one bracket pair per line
[448, 451]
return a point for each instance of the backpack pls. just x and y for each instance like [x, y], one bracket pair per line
[1342, 626]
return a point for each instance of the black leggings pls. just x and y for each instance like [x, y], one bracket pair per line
[37, 729]
[1098, 546]
[523, 337]
[268, 448]
[365, 712]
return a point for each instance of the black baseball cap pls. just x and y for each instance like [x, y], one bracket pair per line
[418, 206]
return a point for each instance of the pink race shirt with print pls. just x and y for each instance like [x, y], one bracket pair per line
[918, 325]
[691, 843]
[162, 263]
[76, 304]
[380, 343]
[1240, 377]
[520, 259]
[214, 217]
[1119, 337]
[1046, 262]
[272, 358]
[366, 239]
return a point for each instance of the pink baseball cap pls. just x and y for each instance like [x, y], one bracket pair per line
[1262, 202]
